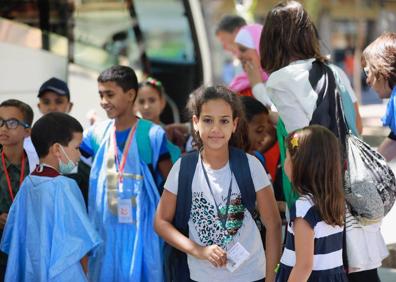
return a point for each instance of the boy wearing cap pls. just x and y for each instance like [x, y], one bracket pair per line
[54, 96]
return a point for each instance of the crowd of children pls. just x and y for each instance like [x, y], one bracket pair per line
[212, 214]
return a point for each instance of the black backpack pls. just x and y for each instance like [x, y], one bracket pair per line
[176, 267]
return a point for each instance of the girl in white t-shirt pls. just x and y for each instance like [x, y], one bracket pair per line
[218, 221]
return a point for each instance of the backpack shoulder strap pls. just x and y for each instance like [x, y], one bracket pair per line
[143, 140]
[188, 164]
[240, 168]
[175, 261]
[261, 158]
[174, 151]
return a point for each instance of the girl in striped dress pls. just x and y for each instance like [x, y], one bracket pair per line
[313, 250]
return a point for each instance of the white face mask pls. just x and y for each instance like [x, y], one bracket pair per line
[70, 167]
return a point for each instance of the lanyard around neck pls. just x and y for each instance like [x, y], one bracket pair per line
[121, 165]
[8, 177]
[222, 217]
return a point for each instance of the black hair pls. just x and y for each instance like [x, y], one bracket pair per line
[123, 76]
[230, 23]
[53, 128]
[252, 107]
[205, 94]
[24, 108]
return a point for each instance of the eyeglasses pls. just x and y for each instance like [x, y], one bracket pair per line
[12, 123]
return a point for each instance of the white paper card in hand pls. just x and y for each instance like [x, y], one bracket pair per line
[236, 256]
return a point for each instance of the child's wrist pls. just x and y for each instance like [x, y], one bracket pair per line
[197, 251]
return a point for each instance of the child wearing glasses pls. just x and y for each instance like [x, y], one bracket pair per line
[150, 102]
[15, 120]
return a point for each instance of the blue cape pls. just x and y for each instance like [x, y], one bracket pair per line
[132, 252]
[47, 232]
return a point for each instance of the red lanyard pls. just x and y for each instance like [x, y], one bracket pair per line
[8, 177]
[121, 165]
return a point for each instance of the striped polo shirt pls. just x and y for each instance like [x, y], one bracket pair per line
[327, 240]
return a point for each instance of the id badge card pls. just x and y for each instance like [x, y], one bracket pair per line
[236, 256]
[124, 211]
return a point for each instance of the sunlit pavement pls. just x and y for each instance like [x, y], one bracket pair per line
[387, 274]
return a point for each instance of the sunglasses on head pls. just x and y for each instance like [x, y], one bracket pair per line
[13, 123]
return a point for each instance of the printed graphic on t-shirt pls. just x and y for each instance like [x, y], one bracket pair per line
[207, 223]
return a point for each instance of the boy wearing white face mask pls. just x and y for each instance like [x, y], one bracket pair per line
[48, 233]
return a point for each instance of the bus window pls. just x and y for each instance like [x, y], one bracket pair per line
[167, 34]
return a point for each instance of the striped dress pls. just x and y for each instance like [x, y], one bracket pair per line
[327, 263]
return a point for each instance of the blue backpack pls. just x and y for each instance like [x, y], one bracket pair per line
[144, 143]
[176, 267]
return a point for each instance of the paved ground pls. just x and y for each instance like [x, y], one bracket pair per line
[387, 274]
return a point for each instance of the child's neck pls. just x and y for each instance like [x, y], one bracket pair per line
[14, 153]
[50, 161]
[215, 159]
[157, 121]
[125, 121]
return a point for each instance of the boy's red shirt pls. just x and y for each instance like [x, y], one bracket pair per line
[43, 170]
[272, 156]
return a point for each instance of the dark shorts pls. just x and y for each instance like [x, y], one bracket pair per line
[364, 276]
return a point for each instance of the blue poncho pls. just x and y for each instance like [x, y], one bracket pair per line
[131, 252]
[47, 232]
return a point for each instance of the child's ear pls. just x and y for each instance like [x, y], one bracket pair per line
[132, 95]
[55, 150]
[70, 107]
[39, 107]
[28, 131]
[195, 120]
[236, 120]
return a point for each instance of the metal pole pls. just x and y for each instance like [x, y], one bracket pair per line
[70, 30]
[139, 37]
[44, 17]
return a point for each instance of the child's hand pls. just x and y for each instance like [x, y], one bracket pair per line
[214, 254]
[177, 133]
[252, 70]
[3, 220]
[281, 206]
